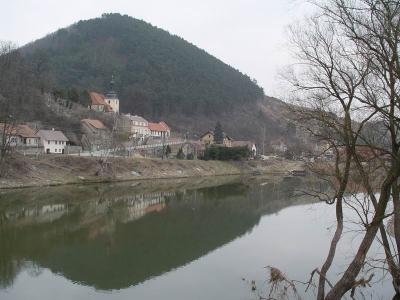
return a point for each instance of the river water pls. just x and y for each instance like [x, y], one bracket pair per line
[203, 239]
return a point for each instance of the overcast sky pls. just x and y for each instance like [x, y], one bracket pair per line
[247, 34]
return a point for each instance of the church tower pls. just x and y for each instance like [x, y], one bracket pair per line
[112, 98]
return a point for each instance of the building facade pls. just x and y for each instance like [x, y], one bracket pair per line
[95, 135]
[21, 136]
[159, 130]
[53, 141]
[136, 126]
[208, 139]
[98, 103]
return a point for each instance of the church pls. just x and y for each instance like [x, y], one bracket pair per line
[107, 103]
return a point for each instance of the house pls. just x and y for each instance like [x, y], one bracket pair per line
[53, 141]
[21, 136]
[207, 138]
[227, 142]
[28, 137]
[325, 152]
[136, 126]
[95, 135]
[249, 144]
[159, 130]
[98, 103]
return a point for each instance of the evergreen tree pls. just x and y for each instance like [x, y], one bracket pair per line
[180, 154]
[167, 151]
[218, 134]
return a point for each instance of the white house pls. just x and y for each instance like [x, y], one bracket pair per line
[53, 141]
[159, 130]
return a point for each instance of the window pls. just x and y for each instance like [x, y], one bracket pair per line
[48, 142]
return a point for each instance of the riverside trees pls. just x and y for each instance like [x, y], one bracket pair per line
[348, 82]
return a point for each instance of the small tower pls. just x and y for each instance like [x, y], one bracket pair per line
[112, 98]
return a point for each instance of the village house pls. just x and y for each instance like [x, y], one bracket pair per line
[95, 135]
[53, 141]
[207, 138]
[325, 152]
[159, 130]
[21, 136]
[136, 126]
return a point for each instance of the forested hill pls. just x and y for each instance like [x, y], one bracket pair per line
[156, 74]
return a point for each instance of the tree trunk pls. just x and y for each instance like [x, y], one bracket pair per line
[396, 216]
[332, 249]
[349, 277]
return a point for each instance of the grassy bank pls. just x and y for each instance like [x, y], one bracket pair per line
[60, 170]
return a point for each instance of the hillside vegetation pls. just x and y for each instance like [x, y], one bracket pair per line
[156, 73]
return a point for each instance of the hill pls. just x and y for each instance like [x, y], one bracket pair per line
[157, 75]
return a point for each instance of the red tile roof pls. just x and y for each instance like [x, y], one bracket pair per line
[99, 99]
[26, 132]
[161, 126]
[21, 130]
[165, 125]
[52, 135]
[95, 123]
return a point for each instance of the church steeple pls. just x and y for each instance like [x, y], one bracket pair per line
[111, 93]
[111, 97]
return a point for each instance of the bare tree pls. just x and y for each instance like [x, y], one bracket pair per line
[348, 80]
[8, 66]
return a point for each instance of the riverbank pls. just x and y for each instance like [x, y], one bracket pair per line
[62, 170]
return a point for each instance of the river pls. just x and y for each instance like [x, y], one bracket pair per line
[201, 239]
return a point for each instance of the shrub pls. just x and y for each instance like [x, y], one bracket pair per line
[226, 153]
[180, 154]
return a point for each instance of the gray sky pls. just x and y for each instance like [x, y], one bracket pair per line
[247, 34]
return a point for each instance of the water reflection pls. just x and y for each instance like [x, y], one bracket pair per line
[118, 235]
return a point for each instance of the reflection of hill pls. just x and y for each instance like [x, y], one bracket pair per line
[112, 243]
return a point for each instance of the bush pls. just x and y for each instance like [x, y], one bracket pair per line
[190, 156]
[226, 153]
[180, 154]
